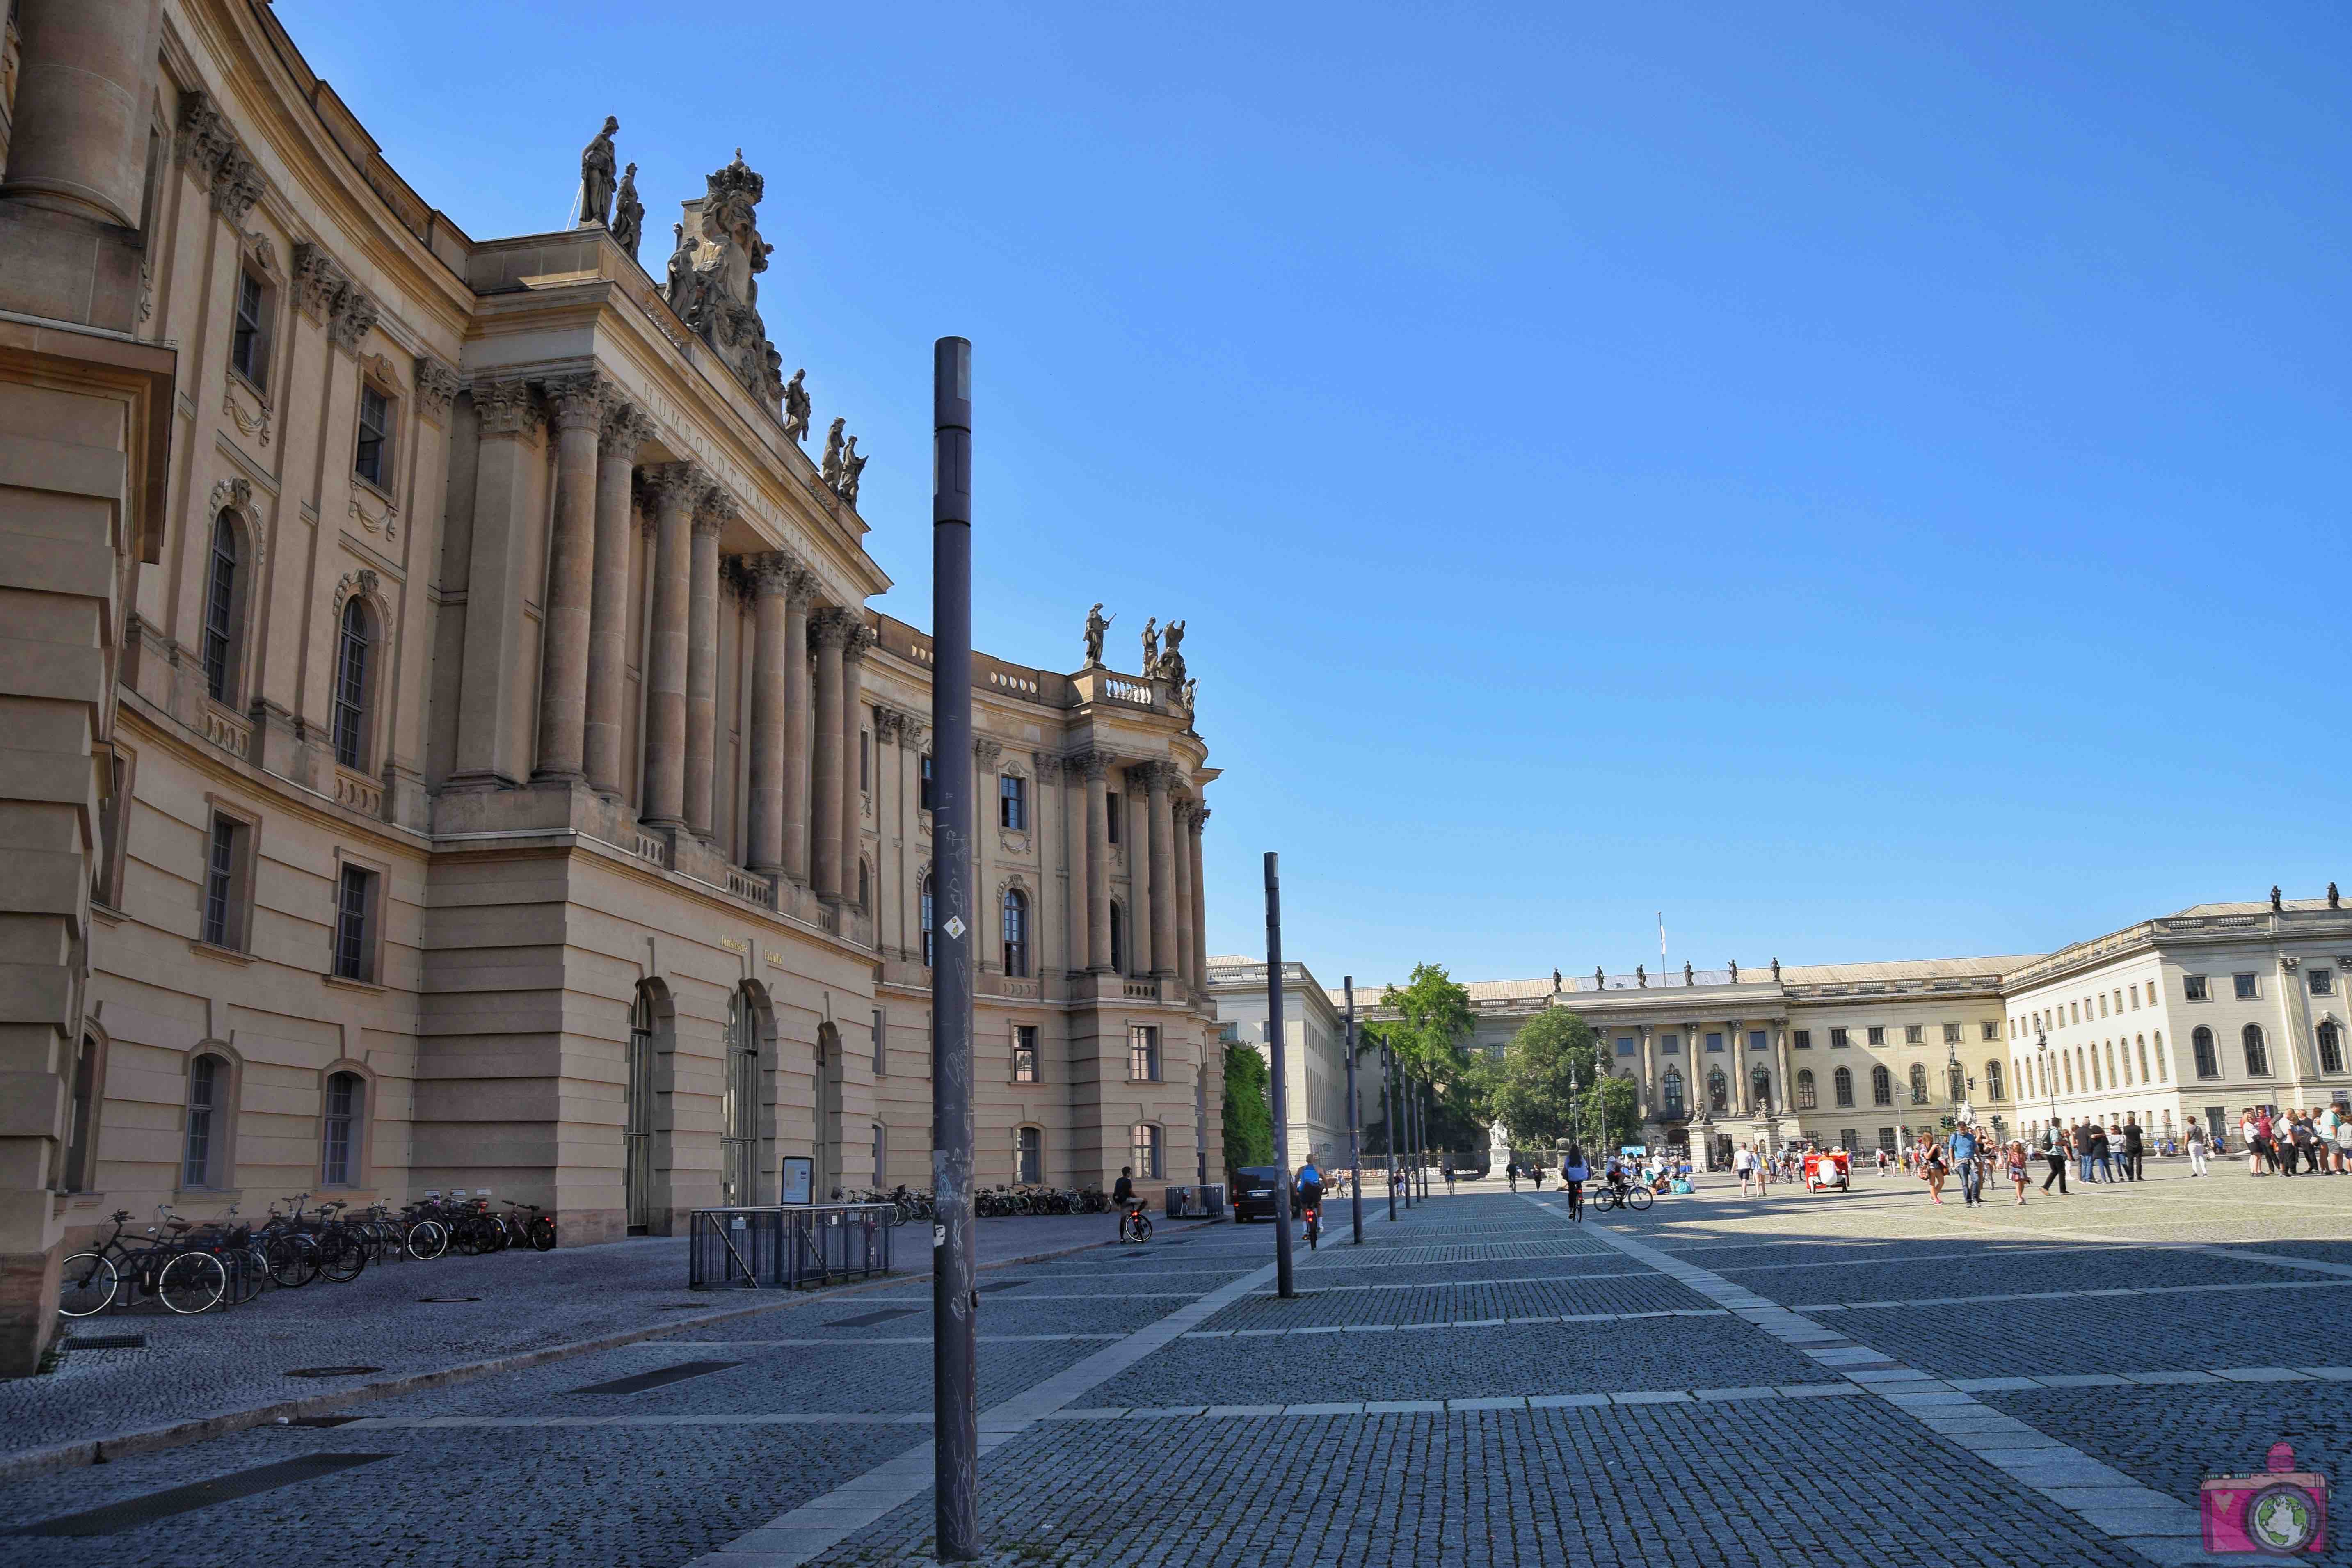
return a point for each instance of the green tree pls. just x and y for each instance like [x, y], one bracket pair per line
[1249, 1114]
[1544, 1068]
[1427, 1036]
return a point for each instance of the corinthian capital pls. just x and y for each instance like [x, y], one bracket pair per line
[1094, 766]
[676, 484]
[833, 627]
[770, 573]
[576, 402]
[714, 510]
[988, 751]
[507, 407]
[622, 430]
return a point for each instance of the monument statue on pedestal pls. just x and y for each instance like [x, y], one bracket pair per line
[596, 162]
[1498, 1147]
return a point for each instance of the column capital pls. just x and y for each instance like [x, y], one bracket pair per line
[886, 722]
[1200, 819]
[1094, 766]
[861, 638]
[830, 626]
[1048, 767]
[622, 430]
[1154, 776]
[576, 402]
[770, 573]
[508, 408]
[714, 508]
[676, 484]
[917, 731]
[988, 752]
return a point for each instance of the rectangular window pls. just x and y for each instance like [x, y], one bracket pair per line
[1143, 1053]
[248, 343]
[1670, 1045]
[2192, 986]
[1877, 1035]
[224, 881]
[881, 1043]
[2102, 1006]
[2322, 983]
[343, 1118]
[1145, 1152]
[355, 925]
[1715, 1040]
[1838, 1040]
[1624, 1044]
[1992, 1028]
[1913, 1034]
[372, 459]
[1013, 803]
[865, 759]
[2244, 987]
[1886, 1138]
[1756, 1040]
[1024, 1053]
[923, 790]
[1802, 1039]
[1110, 799]
[1952, 1035]
[2134, 989]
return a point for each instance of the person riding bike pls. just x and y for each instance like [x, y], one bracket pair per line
[1306, 1194]
[1123, 1199]
[1573, 1174]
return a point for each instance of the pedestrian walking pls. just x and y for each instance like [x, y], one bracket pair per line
[2197, 1143]
[2053, 1153]
[2135, 1150]
[1511, 1172]
[1930, 1160]
[2343, 1145]
[1964, 1149]
[1536, 1170]
[2250, 1135]
[2018, 1171]
[1744, 1162]
[1446, 1170]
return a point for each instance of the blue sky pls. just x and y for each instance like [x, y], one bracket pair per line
[1869, 481]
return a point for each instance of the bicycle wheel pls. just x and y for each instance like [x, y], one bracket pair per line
[86, 1284]
[1639, 1197]
[191, 1283]
[246, 1275]
[426, 1240]
[293, 1260]
[342, 1256]
[542, 1233]
[1142, 1227]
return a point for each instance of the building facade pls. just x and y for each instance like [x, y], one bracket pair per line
[1315, 1046]
[466, 750]
[2206, 1012]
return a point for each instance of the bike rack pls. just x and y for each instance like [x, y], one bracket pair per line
[787, 1246]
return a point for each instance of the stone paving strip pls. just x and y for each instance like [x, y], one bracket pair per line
[2232, 1288]
[791, 1539]
[2160, 1528]
[1460, 1284]
[1457, 1323]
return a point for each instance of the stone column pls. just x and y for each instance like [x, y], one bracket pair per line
[1200, 899]
[853, 714]
[1738, 1046]
[577, 404]
[617, 439]
[771, 577]
[1649, 1085]
[797, 586]
[831, 627]
[711, 514]
[1181, 930]
[86, 72]
[1161, 828]
[674, 488]
[1096, 768]
[492, 747]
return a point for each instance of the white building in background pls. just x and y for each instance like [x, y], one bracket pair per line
[1315, 1039]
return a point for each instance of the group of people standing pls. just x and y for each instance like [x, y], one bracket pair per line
[2316, 1141]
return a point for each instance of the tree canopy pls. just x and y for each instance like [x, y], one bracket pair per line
[1249, 1116]
[1554, 1084]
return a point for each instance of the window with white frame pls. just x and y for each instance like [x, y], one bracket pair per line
[354, 658]
[356, 915]
[340, 1159]
[200, 1161]
[229, 877]
[248, 338]
[1144, 1151]
[372, 455]
[1143, 1053]
[1024, 1053]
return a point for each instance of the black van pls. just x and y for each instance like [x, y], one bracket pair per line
[1253, 1191]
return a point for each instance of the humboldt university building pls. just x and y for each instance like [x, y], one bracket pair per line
[447, 741]
[2205, 1014]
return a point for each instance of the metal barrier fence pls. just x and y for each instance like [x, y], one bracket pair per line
[787, 1246]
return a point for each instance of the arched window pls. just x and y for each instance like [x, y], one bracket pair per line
[1759, 1084]
[2331, 1048]
[1882, 1087]
[1029, 1155]
[865, 885]
[637, 1118]
[1016, 932]
[1718, 1091]
[1995, 1085]
[340, 1164]
[1670, 1092]
[224, 602]
[1143, 1151]
[1918, 1083]
[2258, 1054]
[2208, 1058]
[201, 1163]
[2162, 1074]
[1117, 939]
[927, 922]
[2066, 1064]
[352, 652]
[2112, 1079]
[1842, 1084]
[2143, 1058]
[1806, 1099]
[739, 1110]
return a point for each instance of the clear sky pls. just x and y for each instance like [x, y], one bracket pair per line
[1870, 482]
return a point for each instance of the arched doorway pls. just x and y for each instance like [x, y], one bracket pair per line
[643, 1201]
[826, 1164]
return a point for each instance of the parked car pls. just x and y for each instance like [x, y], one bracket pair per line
[1253, 1191]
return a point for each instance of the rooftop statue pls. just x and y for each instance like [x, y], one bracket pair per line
[1641, 978]
[852, 465]
[1690, 976]
[1555, 982]
[2275, 904]
[2334, 901]
[1600, 981]
[829, 469]
[796, 407]
[596, 162]
[629, 220]
[1734, 972]
[1150, 643]
[1170, 668]
[716, 292]
[1096, 625]
[1776, 971]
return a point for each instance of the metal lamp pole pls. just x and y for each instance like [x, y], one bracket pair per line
[1277, 1034]
[1355, 1131]
[1389, 1120]
[955, 1383]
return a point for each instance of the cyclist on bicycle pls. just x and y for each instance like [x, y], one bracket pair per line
[1122, 1197]
[1306, 1193]
[1573, 1174]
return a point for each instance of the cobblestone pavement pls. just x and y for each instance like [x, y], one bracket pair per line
[1862, 1378]
[222, 1361]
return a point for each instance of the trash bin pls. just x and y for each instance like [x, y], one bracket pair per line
[1179, 1202]
[1212, 1202]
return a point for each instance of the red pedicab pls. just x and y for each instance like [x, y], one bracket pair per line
[1828, 1169]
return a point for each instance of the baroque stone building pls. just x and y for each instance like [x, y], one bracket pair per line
[2204, 1013]
[451, 740]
